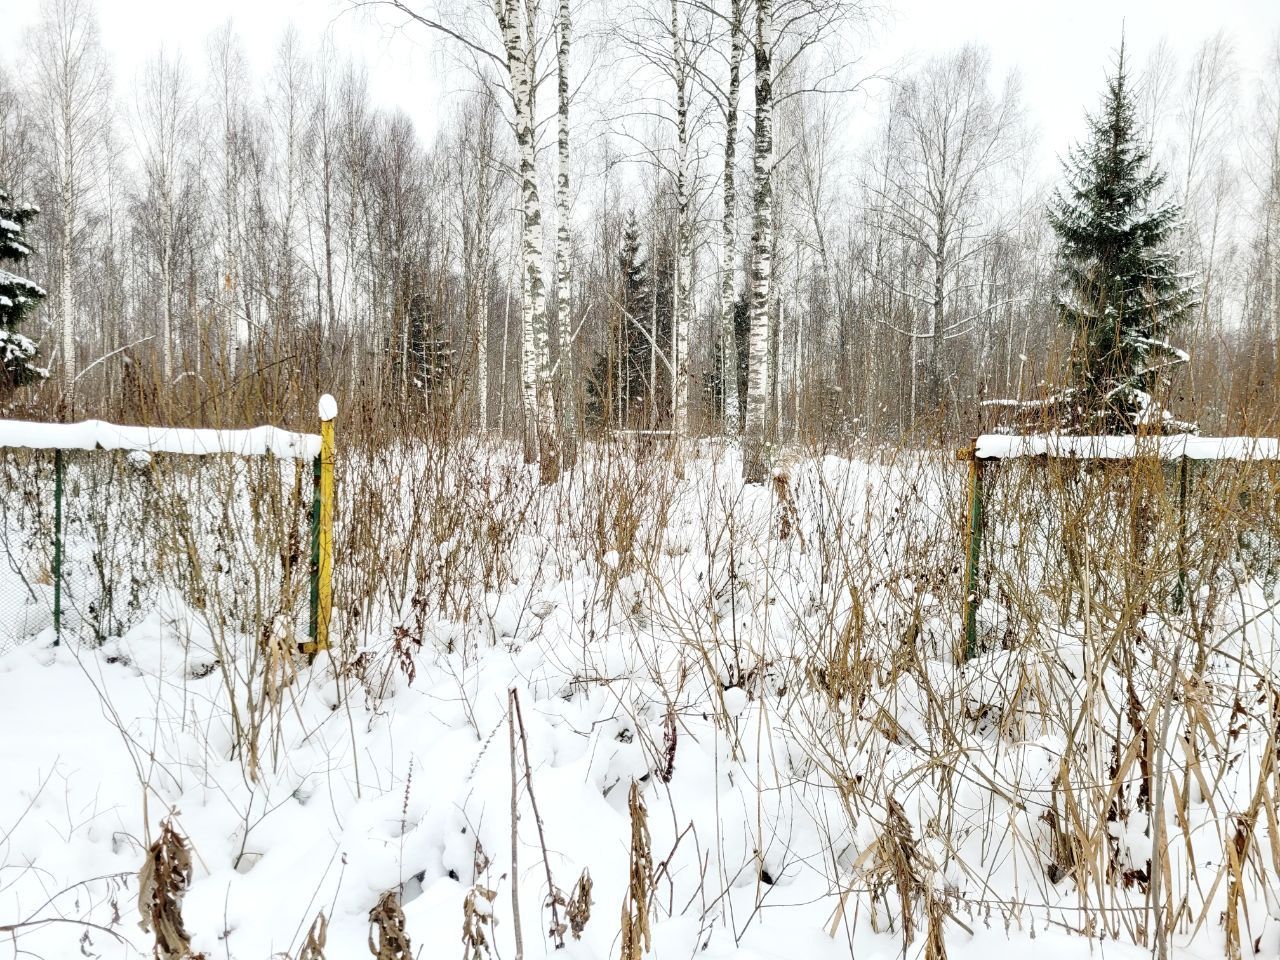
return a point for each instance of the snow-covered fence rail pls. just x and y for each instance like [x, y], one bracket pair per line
[123, 514]
[100, 435]
[1179, 447]
[1174, 452]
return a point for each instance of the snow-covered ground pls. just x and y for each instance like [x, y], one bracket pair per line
[775, 669]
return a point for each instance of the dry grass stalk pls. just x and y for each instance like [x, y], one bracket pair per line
[477, 922]
[636, 941]
[1242, 843]
[162, 883]
[579, 906]
[388, 940]
[1063, 844]
[935, 946]
[555, 899]
[670, 738]
[1237, 852]
[788, 512]
[313, 949]
[897, 862]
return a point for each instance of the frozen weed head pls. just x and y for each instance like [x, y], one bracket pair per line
[162, 885]
[388, 939]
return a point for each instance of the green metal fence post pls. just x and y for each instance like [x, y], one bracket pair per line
[313, 631]
[57, 547]
[973, 551]
[1180, 592]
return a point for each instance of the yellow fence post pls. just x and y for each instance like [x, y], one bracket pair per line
[322, 532]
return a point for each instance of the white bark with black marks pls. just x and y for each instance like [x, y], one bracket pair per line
[754, 455]
[682, 308]
[517, 23]
[728, 229]
[564, 239]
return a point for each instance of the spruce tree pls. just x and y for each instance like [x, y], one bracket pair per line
[431, 355]
[18, 296]
[634, 309]
[620, 373]
[1123, 293]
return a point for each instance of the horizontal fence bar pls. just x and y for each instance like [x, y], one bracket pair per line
[1177, 447]
[100, 435]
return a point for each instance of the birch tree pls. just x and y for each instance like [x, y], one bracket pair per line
[564, 239]
[518, 25]
[1206, 124]
[786, 32]
[754, 462]
[682, 287]
[1264, 171]
[163, 130]
[324, 174]
[227, 82]
[728, 224]
[17, 139]
[289, 111]
[950, 135]
[669, 38]
[477, 206]
[517, 22]
[73, 111]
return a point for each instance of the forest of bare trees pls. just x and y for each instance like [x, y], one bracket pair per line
[666, 217]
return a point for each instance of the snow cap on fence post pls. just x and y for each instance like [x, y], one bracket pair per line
[328, 407]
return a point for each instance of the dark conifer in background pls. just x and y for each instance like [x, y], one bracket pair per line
[18, 297]
[1123, 292]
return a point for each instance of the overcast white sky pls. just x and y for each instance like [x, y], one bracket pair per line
[1061, 47]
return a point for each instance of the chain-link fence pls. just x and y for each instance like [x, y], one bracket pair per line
[93, 543]
[1136, 533]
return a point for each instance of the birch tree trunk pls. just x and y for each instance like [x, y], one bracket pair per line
[728, 231]
[67, 302]
[327, 170]
[567, 382]
[476, 202]
[162, 130]
[482, 352]
[166, 281]
[528, 367]
[73, 112]
[517, 26]
[684, 241]
[1271, 244]
[68, 193]
[754, 457]
[226, 67]
[938, 318]
[504, 364]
